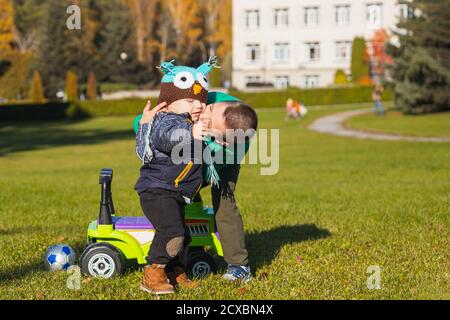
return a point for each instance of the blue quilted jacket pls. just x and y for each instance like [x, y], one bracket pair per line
[169, 131]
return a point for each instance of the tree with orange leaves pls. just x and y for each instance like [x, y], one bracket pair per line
[185, 19]
[144, 17]
[379, 58]
[6, 27]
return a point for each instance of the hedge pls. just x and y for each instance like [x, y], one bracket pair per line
[104, 108]
[311, 97]
[76, 110]
[34, 111]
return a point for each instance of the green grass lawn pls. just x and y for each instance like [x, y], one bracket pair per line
[433, 125]
[336, 207]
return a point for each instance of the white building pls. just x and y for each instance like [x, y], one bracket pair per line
[302, 43]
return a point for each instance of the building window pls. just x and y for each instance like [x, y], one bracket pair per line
[374, 15]
[311, 81]
[252, 19]
[281, 82]
[281, 18]
[311, 16]
[406, 11]
[252, 80]
[343, 50]
[343, 15]
[253, 52]
[281, 52]
[312, 51]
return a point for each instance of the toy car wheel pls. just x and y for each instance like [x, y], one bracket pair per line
[101, 261]
[201, 264]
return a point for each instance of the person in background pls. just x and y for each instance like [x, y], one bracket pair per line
[291, 111]
[295, 109]
[376, 96]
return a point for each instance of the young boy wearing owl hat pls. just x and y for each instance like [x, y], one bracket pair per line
[165, 186]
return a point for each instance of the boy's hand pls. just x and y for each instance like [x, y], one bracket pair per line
[150, 113]
[199, 130]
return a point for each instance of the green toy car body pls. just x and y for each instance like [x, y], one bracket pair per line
[114, 243]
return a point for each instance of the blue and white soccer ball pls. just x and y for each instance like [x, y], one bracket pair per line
[59, 257]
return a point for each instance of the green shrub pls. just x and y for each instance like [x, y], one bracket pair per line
[33, 111]
[104, 108]
[114, 87]
[340, 78]
[310, 97]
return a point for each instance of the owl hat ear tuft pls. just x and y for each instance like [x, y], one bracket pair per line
[208, 66]
[167, 67]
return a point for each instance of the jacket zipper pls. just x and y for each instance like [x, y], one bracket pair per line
[183, 173]
[198, 189]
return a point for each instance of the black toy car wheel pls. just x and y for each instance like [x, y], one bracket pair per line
[101, 260]
[201, 264]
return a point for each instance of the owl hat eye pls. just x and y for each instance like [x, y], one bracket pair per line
[184, 80]
[203, 81]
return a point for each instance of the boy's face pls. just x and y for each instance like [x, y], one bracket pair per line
[194, 107]
[218, 128]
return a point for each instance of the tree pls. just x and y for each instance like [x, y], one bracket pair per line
[186, 22]
[15, 82]
[71, 87]
[379, 58]
[340, 78]
[92, 87]
[37, 90]
[27, 14]
[218, 36]
[117, 56]
[59, 48]
[359, 63]
[144, 16]
[6, 27]
[421, 70]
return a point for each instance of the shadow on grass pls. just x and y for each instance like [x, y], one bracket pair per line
[16, 273]
[32, 136]
[263, 247]
[11, 274]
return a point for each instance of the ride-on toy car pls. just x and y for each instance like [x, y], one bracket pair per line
[117, 242]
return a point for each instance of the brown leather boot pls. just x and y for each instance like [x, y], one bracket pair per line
[180, 278]
[155, 280]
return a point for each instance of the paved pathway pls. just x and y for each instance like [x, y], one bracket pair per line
[333, 124]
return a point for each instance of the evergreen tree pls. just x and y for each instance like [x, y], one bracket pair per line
[421, 70]
[92, 87]
[37, 90]
[71, 87]
[116, 43]
[53, 55]
[359, 63]
[62, 49]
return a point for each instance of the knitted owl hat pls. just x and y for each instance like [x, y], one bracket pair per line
[181, 82]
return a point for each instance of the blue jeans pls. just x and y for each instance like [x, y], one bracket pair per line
[379, 109]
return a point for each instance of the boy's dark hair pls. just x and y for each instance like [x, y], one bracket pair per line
[240, 116]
